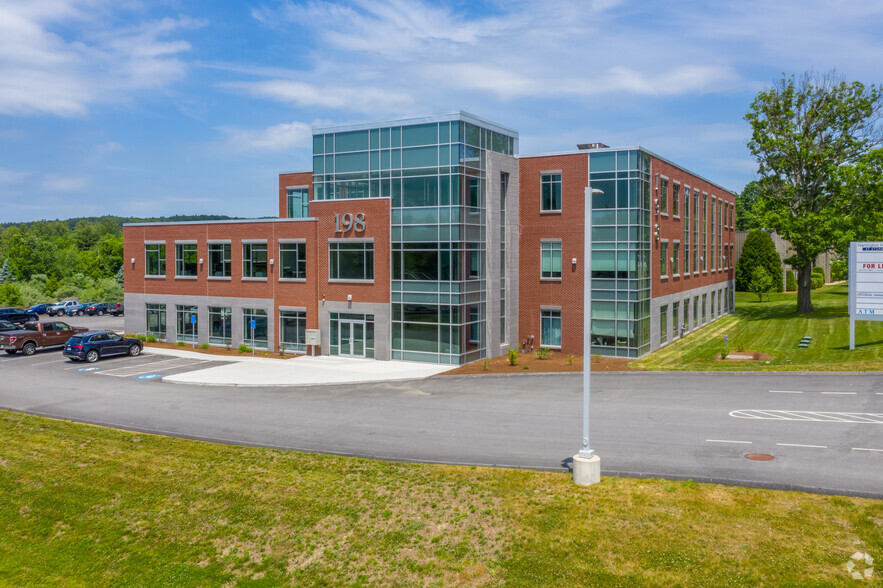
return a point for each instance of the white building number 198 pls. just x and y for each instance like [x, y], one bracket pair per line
[345, 222]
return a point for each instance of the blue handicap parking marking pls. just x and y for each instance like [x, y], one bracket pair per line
[89, 369]
[148, 376]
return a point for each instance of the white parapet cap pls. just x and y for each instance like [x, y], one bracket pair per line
[633, 148]
[222, 222]
[456, 115]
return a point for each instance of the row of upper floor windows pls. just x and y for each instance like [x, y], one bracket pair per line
[350, 260]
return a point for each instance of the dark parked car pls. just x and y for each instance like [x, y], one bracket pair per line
[17, 315]
[93, 345]
[99, 308]
[115, 308]
[76, 310]
[40, 308]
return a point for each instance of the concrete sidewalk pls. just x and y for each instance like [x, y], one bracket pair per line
[299, 371]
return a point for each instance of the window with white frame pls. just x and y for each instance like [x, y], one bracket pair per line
[351, 260]
[550, 186]
[254, 260]
[663, 259]
[298, 202]
[663, 195]
[185, 259]
[550, 328]
[551, 259]
[293, 326]
[219, 260]
[155, 259]
[663, 324]
[156, 320]
[292, 260]
[675, 255]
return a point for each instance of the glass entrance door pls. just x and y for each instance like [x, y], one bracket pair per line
[352, 338]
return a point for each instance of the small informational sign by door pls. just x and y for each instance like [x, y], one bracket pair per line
[865, 284]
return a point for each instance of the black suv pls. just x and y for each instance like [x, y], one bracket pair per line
[17, 315]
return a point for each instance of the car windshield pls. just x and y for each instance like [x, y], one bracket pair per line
[75, 340]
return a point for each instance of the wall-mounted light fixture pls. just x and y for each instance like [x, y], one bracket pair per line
[133, 261]
[349, 297]
[272, 261]
[200, 261]
[573, 261]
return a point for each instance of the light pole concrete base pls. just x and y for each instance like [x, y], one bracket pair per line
[586, 471]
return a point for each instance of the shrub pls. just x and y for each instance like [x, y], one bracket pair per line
[758, 251]
[485, 365]
[542, 353]
[243, 348]
[817, 281]
[790, 281]
[204, 346]
[151, 338]
[513, 356]
[569, 360]
[725, 353]
[141, 337]
[181, 343]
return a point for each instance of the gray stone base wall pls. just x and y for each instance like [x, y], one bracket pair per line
[691, 322]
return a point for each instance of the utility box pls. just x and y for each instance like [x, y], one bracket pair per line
[313, 337]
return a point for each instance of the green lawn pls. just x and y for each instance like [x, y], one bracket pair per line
[773, 327]
[86, 506]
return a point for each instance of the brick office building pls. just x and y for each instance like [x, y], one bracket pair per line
[429, 239]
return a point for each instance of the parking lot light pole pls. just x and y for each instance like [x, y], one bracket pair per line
[586, 464]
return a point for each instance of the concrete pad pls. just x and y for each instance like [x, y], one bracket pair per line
[299, 371]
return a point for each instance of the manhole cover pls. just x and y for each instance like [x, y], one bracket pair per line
[759, 457]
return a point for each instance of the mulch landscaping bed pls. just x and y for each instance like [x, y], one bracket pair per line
[233, 351]
[555, 362]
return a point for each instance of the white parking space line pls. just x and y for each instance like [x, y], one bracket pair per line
[786, 391]
[47, 362]
[866, 449]
[801, 445]
[840, 393]
[726, 441]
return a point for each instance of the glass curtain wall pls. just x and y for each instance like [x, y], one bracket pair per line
[435, 175]
[620, 252]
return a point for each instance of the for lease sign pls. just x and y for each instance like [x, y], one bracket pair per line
[866, 280]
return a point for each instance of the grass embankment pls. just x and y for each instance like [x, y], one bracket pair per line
[85, 505]
[773, 327]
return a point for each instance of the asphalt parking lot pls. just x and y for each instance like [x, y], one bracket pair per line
[145, 367]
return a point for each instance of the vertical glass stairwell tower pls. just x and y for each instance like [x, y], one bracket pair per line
[444, 180]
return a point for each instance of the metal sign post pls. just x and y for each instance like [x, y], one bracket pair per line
[252, 323]
[193, 322]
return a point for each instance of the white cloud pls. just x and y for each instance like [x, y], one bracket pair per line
[282, 136]
[8, 177]
[359, 99]
[58, 57]
[59, 183]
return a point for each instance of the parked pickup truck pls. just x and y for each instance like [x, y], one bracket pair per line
[34, 336]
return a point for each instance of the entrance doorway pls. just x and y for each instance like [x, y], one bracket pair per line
[352, 338]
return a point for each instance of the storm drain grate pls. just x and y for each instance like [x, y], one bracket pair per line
[759, 457]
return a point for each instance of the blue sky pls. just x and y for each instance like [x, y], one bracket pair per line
[162, 107]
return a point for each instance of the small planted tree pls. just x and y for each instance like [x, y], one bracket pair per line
[790, 281]
[761, 282]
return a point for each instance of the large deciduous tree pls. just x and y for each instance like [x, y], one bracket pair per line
[814, 138]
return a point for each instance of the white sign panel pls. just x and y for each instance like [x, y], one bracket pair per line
[865, 284]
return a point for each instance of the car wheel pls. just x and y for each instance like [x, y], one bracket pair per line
[134, 349]
[100, 313]
[12, 351]
[29, 348]
[92, 356]
[79, 313]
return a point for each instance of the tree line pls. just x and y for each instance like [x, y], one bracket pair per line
[79, 258]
